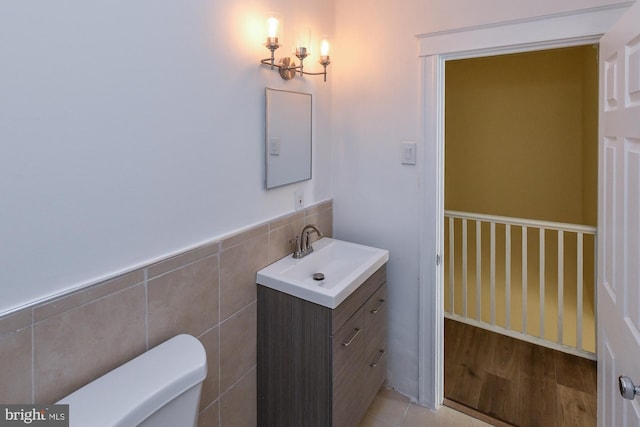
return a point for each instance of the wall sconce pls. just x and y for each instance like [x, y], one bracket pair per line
[287, 66]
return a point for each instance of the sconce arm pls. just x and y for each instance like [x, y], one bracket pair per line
[324, 73]
[287, 67]
[268, 61]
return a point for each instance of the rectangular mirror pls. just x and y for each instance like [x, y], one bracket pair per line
[288, 137]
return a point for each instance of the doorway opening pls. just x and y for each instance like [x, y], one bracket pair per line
[556, 30]
[519, 232]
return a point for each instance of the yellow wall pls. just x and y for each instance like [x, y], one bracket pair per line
[521, 135]
[590, 136]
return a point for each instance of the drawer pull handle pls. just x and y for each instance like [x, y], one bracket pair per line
[375, 362]
[353, 337]
[375, 310]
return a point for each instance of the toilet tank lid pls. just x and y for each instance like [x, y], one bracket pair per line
[132, 392]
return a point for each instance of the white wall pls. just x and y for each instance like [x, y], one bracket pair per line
[376, 106]
[450, 14]
[130, 130]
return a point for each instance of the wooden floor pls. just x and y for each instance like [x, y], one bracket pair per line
[517, 382]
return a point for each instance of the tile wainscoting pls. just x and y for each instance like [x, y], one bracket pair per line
[54, 347]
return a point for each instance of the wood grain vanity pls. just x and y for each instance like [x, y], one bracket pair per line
[319, 366]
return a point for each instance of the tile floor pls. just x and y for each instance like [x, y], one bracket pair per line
[392, 409]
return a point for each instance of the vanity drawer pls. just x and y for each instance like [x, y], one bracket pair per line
[359, 297]
[376, 308]
[348, 369]
[375, 322]
[375, 372]
[348, 342]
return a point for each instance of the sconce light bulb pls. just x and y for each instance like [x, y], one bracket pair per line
[324, 55]
[324, 47]
[272, 27]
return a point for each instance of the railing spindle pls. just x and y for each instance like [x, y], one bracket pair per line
[492, 270]
[479, 270]
[560, 285]
[579, 297]
[525, 276]
[595, 279]
[451, 269]
[541, 269]
[507, 273]
[464, 268]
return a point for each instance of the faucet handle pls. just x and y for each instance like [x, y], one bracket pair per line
[295, 242]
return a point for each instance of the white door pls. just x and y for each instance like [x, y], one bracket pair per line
[619, 221]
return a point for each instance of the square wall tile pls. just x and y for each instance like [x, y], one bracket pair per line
[86, 295]
[323, 219]
[286, 219]
[238, 407]
[243, 236]
[183, 301]
[280, 238]
[210, 417]
[15, 360]
[211, 386]
[238, 267]
[79, 345]
[238, 342]
[15, 321]
[322, 206]
[180, 260]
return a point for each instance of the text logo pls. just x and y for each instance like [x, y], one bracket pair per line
[34, 415]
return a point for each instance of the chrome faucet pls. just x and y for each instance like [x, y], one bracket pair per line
[303, 248]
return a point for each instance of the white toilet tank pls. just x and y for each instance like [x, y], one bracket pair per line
[159, 388]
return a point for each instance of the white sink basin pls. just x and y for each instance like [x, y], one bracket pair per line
[345, 266]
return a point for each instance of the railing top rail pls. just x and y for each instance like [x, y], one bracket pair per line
[548, 225]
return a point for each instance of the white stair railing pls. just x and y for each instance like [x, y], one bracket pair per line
[564, 306]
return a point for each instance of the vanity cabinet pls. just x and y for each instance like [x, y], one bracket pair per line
[319, 366]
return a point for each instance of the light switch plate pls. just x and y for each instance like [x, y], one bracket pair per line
[409, 154]
[274, 146]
